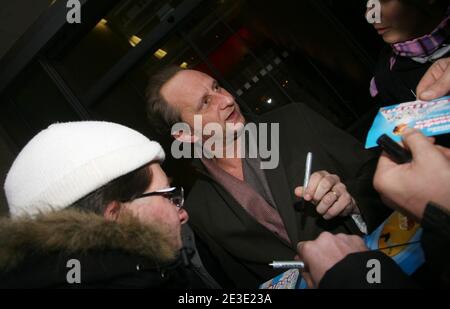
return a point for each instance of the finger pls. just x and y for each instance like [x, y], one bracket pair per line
[326, 202]
[298, 191]
[325, 185]
[314, 181]
[349, 209]
[385, 162]
[415, 141]
[435, 83]
[339, 206]
[439, 88]
[384, 165]
[428, 79]
[339, 188]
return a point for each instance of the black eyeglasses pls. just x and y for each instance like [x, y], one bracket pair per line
[173, 194]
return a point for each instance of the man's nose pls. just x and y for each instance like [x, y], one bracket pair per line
[224, 100]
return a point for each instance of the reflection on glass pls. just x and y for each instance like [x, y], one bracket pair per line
[264, 60]
[111, 38]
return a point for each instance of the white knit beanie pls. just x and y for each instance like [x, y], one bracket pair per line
[67, 161]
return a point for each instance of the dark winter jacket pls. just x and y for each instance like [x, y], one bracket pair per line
[72, 249]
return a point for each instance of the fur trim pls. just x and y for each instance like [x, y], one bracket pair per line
[73, 231]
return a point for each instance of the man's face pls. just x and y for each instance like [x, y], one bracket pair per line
[195, 93]
[158, 210]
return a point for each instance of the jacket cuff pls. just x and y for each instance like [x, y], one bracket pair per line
[437, 220]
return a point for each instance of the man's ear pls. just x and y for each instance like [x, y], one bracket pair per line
[185, 137]
[112, 211]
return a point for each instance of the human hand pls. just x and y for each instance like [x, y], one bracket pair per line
[329, 194]
[323, 253]
[409, 187]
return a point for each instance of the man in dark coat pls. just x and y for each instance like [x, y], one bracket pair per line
[248, 216]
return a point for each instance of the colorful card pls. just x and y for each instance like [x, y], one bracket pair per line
[397, 233]
[430, 117]
[400, 235]
[290, 279]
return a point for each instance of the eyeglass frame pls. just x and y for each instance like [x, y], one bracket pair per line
[171, 194]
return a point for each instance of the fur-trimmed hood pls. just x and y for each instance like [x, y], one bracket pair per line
[72, 231]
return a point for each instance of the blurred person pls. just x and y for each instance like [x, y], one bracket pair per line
[418, 34]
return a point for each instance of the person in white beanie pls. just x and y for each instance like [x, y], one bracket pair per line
[91, 207]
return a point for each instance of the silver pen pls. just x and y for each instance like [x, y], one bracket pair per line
[307, 170]
[301, 206]
[287, 264]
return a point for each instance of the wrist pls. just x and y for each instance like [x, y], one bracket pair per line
[414, 208]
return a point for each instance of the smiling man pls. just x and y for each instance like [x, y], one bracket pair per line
[246, 215]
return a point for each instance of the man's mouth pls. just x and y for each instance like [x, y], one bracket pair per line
[232, 115]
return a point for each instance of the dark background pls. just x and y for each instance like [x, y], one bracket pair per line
[267, 53]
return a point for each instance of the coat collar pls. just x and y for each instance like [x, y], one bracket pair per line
[72, 232]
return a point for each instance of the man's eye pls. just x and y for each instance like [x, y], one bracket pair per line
[216, 87]
[206, 100]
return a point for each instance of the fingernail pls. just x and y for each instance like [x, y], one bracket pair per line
[307, 197]
[427, 95]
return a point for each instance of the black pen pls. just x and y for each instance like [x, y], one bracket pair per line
[396, 152]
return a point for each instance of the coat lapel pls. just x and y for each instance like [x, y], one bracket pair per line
[281, 191]
[279, 187]
[229, 200]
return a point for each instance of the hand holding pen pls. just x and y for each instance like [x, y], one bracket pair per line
[409, 184]
[327, 192]
[321, 254]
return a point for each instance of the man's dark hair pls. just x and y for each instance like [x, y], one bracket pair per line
[160, 114]
[121, 189]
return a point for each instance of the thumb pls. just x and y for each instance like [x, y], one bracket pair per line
[438, 89]
[415, 141]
